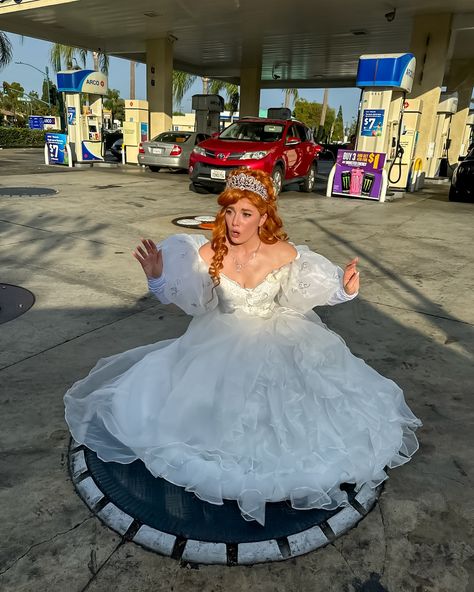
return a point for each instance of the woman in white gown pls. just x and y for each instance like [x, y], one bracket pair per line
[258, 401]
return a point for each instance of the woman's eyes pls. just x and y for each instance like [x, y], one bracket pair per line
[245, 214]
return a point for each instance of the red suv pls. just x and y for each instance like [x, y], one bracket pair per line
[283, 148]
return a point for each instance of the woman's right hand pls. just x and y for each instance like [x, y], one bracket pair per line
[150, 258]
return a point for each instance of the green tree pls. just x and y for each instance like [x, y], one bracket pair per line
[6, 52]
[338, 130]
[352, 130]
[13, 100]
[37, 105]
[115, 104]
[310, 113]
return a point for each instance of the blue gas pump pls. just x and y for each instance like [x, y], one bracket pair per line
[84, 113]
[377, 159]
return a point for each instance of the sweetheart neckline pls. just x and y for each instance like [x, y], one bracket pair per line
[261, 282]
[273, 271]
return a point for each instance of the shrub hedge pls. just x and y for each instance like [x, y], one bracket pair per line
[21, 137]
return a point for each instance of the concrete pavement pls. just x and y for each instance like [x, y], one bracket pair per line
[413, 322]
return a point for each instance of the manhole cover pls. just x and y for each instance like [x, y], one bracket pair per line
[169, 520]
[14, 301]
[27, 192]
[201, 222]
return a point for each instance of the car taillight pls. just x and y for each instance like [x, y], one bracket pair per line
[141, 150]
[175, 151]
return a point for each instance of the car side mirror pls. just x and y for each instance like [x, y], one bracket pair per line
[215, 135]
[292, 141]
[461, 158]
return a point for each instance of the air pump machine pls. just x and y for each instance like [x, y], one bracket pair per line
[84, 91]
[438, 148]
[468, 134]
[208, 111]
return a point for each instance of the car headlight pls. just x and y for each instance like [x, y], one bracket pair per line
[199, 150]
[455, 176]
[254, 155]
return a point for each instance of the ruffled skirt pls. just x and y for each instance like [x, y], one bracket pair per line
[250, 409]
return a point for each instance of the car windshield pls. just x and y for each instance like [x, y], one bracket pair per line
[470, 155]
[172, 137]
[253, 131]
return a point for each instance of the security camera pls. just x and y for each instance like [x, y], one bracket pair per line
[390, 16]
[276, 77]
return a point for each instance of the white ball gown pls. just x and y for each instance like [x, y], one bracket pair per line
[257, 402]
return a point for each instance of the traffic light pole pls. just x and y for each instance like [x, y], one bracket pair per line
[46, 73]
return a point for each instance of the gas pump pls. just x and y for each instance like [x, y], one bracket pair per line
[208, 109]
[468, 135]
[84, 91]
[405, 174]
[135, 129]
[377, 159]
[386, 79]
[438, 149]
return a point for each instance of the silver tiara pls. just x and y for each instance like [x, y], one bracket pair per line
[247, 183]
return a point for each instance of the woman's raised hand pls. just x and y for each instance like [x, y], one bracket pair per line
[150, 258]
[351, 277]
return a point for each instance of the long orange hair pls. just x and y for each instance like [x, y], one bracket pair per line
[270, 232]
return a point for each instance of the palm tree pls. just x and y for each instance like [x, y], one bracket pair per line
[114, 103]
[67, 55]
[290, 93]
[133, 69]
[182, 82]
[5, 50]
[101, 61]
[230, 89]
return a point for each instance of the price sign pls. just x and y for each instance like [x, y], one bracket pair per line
[56, 147]
[372, 122]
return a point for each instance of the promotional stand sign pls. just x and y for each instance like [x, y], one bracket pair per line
[359, 174]
[57, 150]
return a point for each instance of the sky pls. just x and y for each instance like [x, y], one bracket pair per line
[36, 53]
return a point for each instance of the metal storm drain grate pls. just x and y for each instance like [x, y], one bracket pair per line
[27, 192]
[14, 301]
[168, 520]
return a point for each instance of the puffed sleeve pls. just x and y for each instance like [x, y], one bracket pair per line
[312, 281]
[185, 280]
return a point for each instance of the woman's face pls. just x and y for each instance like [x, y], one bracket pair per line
[243, 221]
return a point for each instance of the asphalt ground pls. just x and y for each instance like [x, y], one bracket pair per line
[413, 322]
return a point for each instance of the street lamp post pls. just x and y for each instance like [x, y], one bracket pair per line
[46, 74]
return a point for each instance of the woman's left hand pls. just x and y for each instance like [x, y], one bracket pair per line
[350, 279]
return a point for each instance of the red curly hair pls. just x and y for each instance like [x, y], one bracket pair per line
[270, 232]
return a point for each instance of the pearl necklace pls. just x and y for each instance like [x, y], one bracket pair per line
[238, 265]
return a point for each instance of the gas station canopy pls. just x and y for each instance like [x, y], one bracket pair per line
[303, 44]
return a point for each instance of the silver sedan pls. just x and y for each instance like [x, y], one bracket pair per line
[169, 149]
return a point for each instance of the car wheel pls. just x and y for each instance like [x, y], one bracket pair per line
[277, 178]
[154, 168]
[453, 194]
[310, 180]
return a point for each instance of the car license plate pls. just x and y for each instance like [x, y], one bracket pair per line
[217, 174]
[157, 150]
